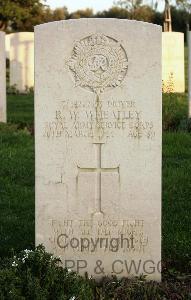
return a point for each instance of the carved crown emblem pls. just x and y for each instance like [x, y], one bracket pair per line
[98, 62]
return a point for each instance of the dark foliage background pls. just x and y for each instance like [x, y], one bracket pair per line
[24, 15]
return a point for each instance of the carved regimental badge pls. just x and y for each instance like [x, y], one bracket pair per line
[98, 62]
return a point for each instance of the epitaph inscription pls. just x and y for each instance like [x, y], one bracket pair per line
[103, 236]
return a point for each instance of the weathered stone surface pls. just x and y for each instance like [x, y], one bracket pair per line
[173, 62]
[98, 145]
[3, 110]
[21, 55]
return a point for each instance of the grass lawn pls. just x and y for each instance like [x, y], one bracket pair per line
[21, 109]
[17, 182]
[16, 190]
[176, 205]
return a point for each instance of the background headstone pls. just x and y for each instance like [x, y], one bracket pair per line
[3, 109]
[98, 145]
[21, 55]
[189, 74]
[173, 62]
[7, 45]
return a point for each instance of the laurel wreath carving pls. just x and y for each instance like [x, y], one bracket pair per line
[98, 62]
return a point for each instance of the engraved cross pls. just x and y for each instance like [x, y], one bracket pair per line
[98, 170]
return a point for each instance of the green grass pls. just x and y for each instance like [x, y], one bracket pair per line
[176, 206]
[16, 189]
[175, 111]
[21, 109]
[17, 181]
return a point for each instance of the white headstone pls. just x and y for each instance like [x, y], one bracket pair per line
[21, 54]
[7, 45]
[189, 74]
[173, 62]
[98, 145]
[3, 109]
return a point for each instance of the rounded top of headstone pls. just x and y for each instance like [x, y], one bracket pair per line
[2, 33]
[98, 20]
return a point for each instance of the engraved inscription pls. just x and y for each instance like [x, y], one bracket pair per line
[79, 119]
[106, 235]
[98, 62]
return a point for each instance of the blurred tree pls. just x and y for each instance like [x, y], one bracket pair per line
[27, 22]
[23, 15]
[82, 13]
[130, 5]
[60, 14]
[154, 4]
[114, 12]
[144, 13]
[185, 5]
[182, 5]
[136, 10]
[158, 18]
[13, 11]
